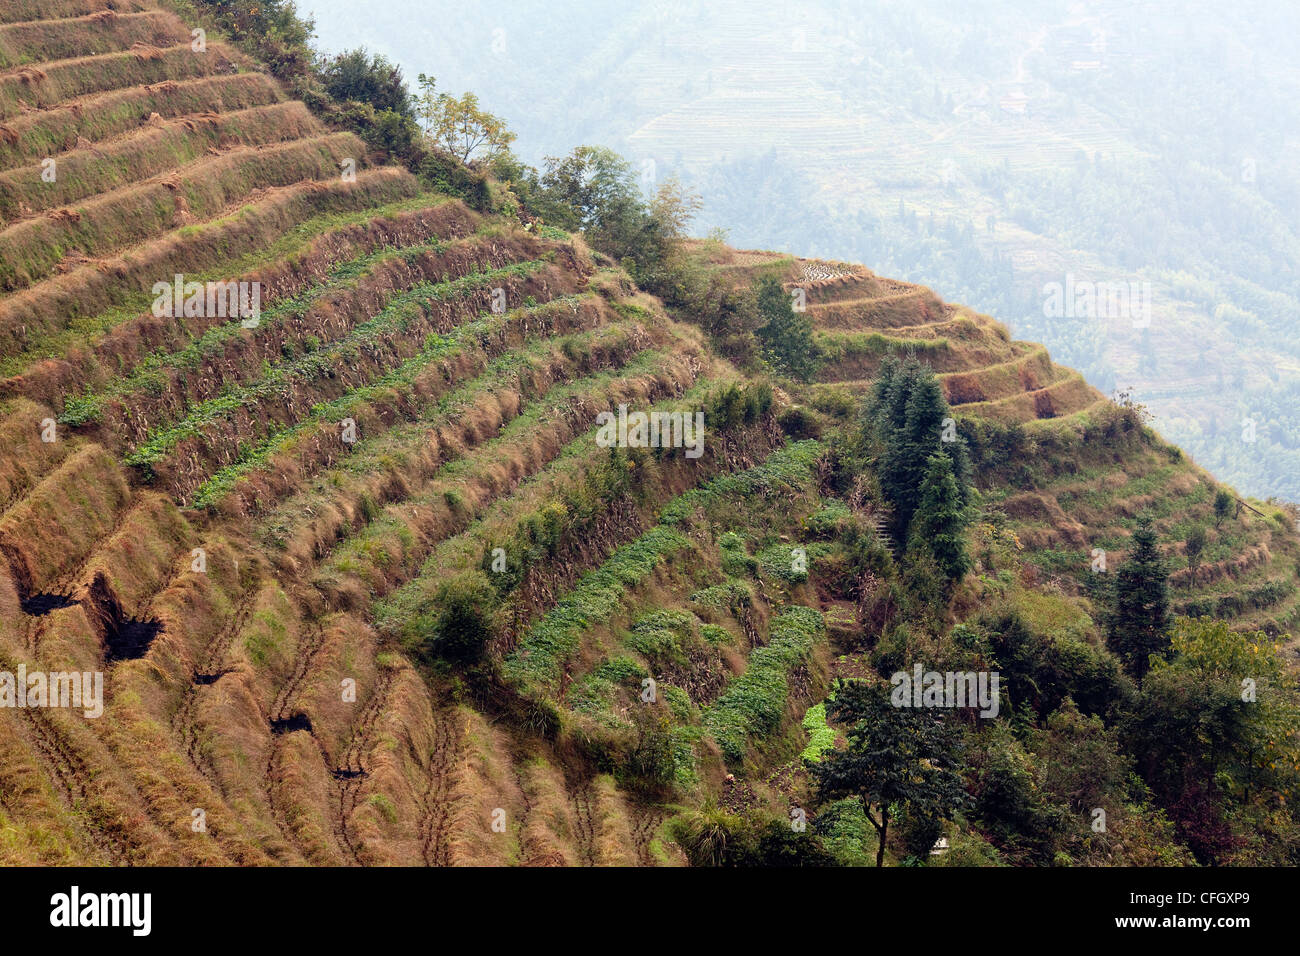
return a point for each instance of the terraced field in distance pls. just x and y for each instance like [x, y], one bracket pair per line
[1053, 464]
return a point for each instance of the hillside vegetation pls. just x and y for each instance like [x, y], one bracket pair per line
[368, 586]
[989, 157]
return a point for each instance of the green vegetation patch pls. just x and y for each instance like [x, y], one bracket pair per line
[753, 703]
[539, 659]
[821, 737]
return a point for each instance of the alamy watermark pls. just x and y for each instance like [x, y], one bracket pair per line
[950, 689]
[216, 300]
[1085, 299]
[652, 430]
[53, 689]
[133, 911]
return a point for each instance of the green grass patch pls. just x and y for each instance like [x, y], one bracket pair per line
[821, 737]
[538, 661]
[753, 703]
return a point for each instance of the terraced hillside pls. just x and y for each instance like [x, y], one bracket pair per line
[1046, 442]
[364, 585]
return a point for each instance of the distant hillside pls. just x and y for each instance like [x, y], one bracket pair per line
[987, 156]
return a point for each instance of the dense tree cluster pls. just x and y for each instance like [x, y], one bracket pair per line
[922, 463]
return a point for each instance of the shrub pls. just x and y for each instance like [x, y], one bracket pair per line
[834, 401]
[458, 624]
[367, 78]
[798, 424]
[269, 29]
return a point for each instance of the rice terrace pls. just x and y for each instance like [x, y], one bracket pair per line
[420, 507]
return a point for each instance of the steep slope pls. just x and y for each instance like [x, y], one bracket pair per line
[1068, 473]
[1034, 144]
[206, 505]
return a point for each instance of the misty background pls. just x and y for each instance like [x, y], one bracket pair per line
[986, 148]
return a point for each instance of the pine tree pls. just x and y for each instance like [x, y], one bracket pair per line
[906, 415]
[941, 518]
[1140, 624]
[786, 336]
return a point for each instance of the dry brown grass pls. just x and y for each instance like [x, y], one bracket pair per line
[547, 832]
[31, 137]
[615, 844]
[884, 312]
[151, 543]
[861, 285]
[106, 358]
[153, 150]
[85, 774]
[1062, 398]
[1025, 373]
[33, 249]
[1235, 567]
[100, 32]
[51, 532]
[88, 289]
[192, 724]
[36, 827]
[26, 458]
[16, 11]
[29, 88]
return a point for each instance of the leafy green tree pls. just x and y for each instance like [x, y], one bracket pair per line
[272, 30]
[1084, 768]
[730, 316]
[1188, 732]
[659, 251]
[1012, 809]
[941, 518]
[593, 189]
[367, 78]
[425, 103]
[1223, 506]
[588, 189]
[1040, 668]
[674, 207]
[459, 126]
[898, 759]
[786, 336]
[1249, 673]
[1139, 626]
[1082, 763]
